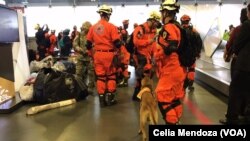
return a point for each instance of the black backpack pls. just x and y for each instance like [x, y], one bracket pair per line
[53, 86]
[190, 46]
[69, 66]
[130, 42]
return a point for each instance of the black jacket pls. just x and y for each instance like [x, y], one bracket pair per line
[66, 49]
[241, 48]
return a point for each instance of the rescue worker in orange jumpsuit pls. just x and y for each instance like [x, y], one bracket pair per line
[53, 42]
[104, 38]
[124, 56]
[185, 23]
[124, 32]
[171, 74]
[132, 56]
[144, 41]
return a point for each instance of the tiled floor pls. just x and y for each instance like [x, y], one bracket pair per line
[86, 121]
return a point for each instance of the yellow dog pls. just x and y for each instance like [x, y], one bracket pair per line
[148, 106]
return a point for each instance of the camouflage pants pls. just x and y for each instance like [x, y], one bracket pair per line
[85, 70]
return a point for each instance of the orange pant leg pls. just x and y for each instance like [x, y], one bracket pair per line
[170, 91]
[104, 72]
[125, 61]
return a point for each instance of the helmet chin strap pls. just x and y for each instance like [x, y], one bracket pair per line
[107, 17]
[164, 16]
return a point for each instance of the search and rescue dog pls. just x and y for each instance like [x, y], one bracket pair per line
[148, 106]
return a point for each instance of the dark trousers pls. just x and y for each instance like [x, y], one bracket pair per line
[142, 61]
[41, 51]
[232, 67]
[239, 95]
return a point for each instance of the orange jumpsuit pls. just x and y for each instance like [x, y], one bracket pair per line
[102, 35]
[142, 38]
[171, 75]
[124, 56]
[142, 41]
[53, 41]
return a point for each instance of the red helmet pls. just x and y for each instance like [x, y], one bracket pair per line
[185, 18]
[135, 24]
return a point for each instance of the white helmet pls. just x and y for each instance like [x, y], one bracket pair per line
[105, 9]
[155, 15]
[170, 5]
[37, 26]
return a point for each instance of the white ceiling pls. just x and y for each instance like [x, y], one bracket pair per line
[112, 2]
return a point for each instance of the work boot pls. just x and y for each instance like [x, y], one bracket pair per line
[169, 123]
[110, 99]
[102, 100]
[123, 83]
[136, 91]
[190, 88]
[190, 85]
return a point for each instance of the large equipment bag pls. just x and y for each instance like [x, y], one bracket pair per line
[53, 86]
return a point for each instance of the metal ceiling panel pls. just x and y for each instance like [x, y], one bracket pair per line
[115, 2]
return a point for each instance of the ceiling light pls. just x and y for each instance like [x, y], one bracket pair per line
[220, 2]
[25, 3]
[245, 2]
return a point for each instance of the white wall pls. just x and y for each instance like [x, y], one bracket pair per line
[2, 2]
[60, 18]
[211, 21]
[63, 17]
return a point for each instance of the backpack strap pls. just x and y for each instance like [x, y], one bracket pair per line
[171, 105]
[162, 34]
[172, 44]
